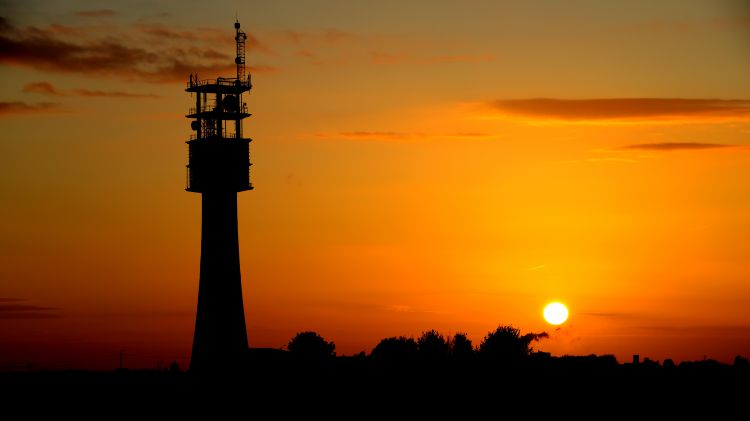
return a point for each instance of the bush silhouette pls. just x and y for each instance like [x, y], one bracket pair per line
[741, 362]
[507, 344]
[395, 349]
[432, 345]
[311, 345]
[461, 346]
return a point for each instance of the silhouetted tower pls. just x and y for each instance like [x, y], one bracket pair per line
[219, 168]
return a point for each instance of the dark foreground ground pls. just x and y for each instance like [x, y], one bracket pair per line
[278, 386]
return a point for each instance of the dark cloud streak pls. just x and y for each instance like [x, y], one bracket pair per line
[111, 94]
[676, 146]
[20, 107]
[25, 311]
[93, 54]
[22, 307]
[46, 88]
[623, 108]
[390, 58]
[96, 13]
[397, 136]
[213, 35]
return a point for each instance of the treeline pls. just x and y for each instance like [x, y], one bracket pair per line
[504, 343]
[505, 346]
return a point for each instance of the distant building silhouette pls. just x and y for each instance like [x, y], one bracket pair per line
[219, 168]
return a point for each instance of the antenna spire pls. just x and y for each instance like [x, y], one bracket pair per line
[240, 37]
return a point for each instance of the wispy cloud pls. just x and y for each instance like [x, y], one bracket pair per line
[376, 135]
[148, 54]
[10, 308]
[676, 146]
[100, 13]
[742, 331]
[46, 88]
[606, 315]
[623, 108]
[20, 107]
[378, 57]
[336, 47]
[400, 308]
[304, 53]
[698, 26]
[202, 34]
[405, 308]
[330, 36]
[111, 94]
[336, 36]
[400, 136]
[329, 47]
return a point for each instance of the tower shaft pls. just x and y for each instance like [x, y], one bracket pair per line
[220, 339]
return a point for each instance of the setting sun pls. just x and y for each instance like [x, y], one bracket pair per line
[555, 313]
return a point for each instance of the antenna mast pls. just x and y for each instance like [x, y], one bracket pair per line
[240, 37]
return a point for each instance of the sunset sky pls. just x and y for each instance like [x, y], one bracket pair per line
[418, 165]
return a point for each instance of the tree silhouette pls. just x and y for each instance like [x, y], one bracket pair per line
[311, 345]
[432, 345]
[507, 344]
[395, 349]
[461, 346]
[741, 362]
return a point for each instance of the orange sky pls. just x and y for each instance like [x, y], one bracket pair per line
[446, 165]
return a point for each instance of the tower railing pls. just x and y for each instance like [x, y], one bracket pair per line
[208, 108]
[226, 135]
[222, 81]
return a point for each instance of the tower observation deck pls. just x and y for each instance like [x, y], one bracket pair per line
[218, 168]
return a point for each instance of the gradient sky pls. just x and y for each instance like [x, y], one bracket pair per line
[437, 164]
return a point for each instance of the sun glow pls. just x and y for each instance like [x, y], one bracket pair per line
[555, 313]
